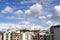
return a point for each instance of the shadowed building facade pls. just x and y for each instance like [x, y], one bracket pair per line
[1, 35]
[16, 35]
[55, 32]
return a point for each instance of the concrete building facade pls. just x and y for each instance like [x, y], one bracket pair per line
[55, 32]
[16, 35]
[1, 36]
[7, 35]
[27, 36]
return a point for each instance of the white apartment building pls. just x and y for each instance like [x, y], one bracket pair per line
[7, 35]
[16, 35]
[30, 36]
[27, 36]
[20, 35]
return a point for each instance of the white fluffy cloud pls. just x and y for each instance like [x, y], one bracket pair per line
[49, 15]
[56, 15]
[27, 11]
[46, 1]
[42, 17]
[18, 12]
[13, 17]
[28, 25]
[22, 25]
[49, 23]
[7, 9]
[34, 10]
[57, 8]
[36, 1]
[5, 26]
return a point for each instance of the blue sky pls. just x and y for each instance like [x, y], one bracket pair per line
[38, 13]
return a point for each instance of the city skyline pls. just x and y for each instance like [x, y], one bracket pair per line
[29, 14]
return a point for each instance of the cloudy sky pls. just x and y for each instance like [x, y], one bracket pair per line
[29, 14]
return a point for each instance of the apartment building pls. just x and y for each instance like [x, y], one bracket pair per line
[7, 35]
[44, 35]
[1, 35]
[55, 32]
[30, 34]
[22, 35]
[35, 34]
[26, 36]
[16, 35]
[35, 37]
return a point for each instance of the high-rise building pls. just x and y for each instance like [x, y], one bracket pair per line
[55, 32]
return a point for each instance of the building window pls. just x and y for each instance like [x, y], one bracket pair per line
[7, 35]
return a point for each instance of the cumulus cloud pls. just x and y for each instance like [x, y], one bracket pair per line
[57, 9]
[25, 25]
[7, 9]
[49, 23]
[27, 11]
[22, 25]
[14, 17]
[36, 1]
[30, 26]
[5, 26]
[56, 15]
[46, 1]
[29, 1]
[42, 17]
[34, 10]
[49, 15]
[18, 12]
